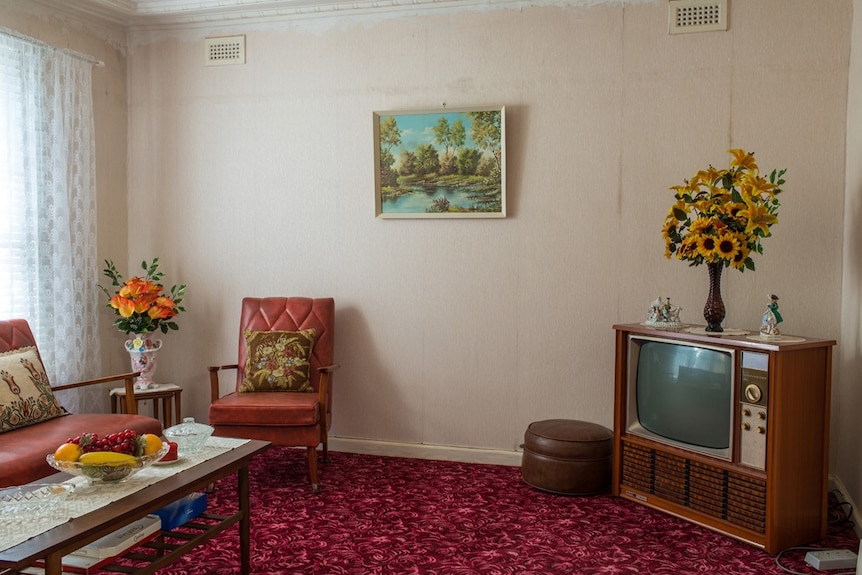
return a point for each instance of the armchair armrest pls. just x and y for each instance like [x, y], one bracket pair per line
[326, 372]
[214, 387]
[129, 382]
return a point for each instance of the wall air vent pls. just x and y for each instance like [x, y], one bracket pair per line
[224, 51]
[696, 16]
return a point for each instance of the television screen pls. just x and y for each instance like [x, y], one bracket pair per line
[684, 393]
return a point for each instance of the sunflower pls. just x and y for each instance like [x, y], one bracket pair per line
[740, 258]
[700, 225]
[727, 246]
[687, 249]
[706, 246]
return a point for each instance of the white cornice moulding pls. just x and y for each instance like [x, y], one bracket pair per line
[175, 14]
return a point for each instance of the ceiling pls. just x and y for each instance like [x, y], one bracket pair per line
[158, 13]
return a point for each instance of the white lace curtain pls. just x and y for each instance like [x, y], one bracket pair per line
[48, 265]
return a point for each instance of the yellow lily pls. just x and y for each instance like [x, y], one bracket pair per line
[758, 217]
[756, 187]
[743, 160]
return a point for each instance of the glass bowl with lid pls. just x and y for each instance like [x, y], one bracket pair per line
[189, 435]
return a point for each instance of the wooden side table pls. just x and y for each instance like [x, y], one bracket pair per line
[166, 392]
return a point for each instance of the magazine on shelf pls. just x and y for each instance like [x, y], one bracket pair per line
[90, 558]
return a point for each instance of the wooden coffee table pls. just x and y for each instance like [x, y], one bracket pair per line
[52, 545]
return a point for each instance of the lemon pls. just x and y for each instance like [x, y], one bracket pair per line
[152, 443]
[67, 452]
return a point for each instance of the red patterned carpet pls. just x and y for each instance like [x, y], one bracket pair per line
[381, 515]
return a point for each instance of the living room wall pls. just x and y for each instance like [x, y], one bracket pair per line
[258, 180]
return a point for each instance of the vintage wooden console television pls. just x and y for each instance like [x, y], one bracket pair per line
[767, 485]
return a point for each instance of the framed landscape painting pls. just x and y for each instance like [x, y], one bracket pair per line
[446, 163]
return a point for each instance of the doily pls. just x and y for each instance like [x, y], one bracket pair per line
[663, 324]
[776, 338]
[727, 331]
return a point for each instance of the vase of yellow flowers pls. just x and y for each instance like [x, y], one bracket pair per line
[142, 307]
[719, 219]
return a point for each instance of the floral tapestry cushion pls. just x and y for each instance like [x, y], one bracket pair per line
[277, 360]
[25, 394]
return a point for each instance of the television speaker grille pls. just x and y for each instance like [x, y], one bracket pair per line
[723, 494]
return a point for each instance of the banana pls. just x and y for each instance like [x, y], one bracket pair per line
[106, 458]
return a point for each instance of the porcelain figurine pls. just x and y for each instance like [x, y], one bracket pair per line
[771, 318]
[662, 313]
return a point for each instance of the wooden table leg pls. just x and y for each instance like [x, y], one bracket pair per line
[245, 520]
[166, 412]
[53, 564]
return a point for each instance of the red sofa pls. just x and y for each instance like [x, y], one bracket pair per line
[23, 449]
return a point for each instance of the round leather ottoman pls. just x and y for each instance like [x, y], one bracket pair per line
[567, 457]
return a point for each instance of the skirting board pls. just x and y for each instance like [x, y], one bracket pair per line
[425, 451]
[838, 485]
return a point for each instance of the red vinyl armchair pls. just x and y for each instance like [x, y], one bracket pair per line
[281, 395]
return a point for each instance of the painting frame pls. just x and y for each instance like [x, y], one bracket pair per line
[440, 163]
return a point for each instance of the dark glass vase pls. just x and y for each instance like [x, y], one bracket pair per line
[713, 311]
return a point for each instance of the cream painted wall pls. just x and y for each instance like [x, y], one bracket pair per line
[258, 179]
[847, 425]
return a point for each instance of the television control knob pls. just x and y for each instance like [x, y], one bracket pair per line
[752, 393]
[746, 426]
[761, 415]
[746, 412]
[761, 430]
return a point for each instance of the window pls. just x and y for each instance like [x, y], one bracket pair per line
[48, 203]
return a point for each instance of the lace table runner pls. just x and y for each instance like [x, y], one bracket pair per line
[86, 498]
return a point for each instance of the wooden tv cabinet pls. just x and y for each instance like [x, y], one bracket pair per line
[772, 491]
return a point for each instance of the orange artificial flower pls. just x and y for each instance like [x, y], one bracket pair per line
[140, 302]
